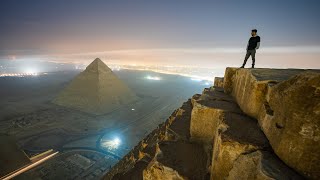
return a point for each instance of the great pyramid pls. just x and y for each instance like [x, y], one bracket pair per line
[96, 90]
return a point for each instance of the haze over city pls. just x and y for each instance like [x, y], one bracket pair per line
[211, 34]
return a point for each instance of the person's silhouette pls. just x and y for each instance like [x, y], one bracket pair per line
[253, 45]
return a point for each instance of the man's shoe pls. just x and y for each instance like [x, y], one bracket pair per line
[242, 66]
[252, 66]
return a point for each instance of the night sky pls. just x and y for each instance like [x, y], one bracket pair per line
[167, 31]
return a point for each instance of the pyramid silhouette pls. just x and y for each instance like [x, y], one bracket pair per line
[96, 90]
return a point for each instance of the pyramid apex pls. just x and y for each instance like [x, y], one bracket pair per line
[97, 59]
[97, 65]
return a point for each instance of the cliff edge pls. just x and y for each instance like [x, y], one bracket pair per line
[252, 124]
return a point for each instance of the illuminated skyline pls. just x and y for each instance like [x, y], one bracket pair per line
[203, 33]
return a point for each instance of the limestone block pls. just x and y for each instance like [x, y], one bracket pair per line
[286, 104]
[237, 134]
[161, 172]
[228, 79]
[188, 159]
[260, 165]
[218, 82]
[208, 109]
[291, 122]
[250, 86]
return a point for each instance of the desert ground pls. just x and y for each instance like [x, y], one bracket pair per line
[82, 139]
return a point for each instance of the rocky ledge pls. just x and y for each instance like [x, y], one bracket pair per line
[252, 124]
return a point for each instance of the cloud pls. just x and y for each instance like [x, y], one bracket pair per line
[208, 50]
[281, 56]
[280, 49]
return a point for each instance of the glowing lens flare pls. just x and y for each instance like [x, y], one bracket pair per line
[116, 141]
[111, 144]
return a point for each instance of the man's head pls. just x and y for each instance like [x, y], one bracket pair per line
[253, 32]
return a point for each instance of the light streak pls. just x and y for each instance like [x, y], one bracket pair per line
[28, 167]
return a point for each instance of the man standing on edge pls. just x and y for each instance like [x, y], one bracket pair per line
[253, 44]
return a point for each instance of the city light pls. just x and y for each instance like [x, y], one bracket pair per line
[207, 83]
[196, 79]
[111, 144]
[116, 142]
[78, 67]
[115, 68]
[30, 72]
[153, 78]
[18, 74]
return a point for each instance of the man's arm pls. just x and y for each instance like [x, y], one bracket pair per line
[258, 45]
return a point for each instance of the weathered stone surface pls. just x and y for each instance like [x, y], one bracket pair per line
[228, 79]
[215, 115]
[207, 110]
[291, 121]
[249, 86]
[166, 153]
[260, 165]
[286, 104]
[237, 134]
[174, 160]
[135, 173]
[189, 159]
[160, 172]
[218, 82]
